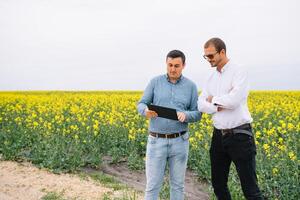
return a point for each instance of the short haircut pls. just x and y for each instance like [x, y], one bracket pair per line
[217, 43]
[176, 54]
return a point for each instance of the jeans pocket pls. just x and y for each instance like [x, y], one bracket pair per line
[241, 137]
[186, 136]
[152, 139]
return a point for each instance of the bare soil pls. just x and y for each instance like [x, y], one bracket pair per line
[194, 189]
[26, 182]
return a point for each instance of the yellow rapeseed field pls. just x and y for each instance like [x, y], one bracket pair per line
[67, 130]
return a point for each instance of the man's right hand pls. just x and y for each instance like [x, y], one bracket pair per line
[220, 109]
[150, 113]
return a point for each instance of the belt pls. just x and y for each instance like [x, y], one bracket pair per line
[170, 135]
[238, 129]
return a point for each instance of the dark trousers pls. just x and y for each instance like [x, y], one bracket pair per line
[240, 149]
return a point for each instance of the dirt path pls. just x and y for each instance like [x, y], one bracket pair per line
[194, 190]
[25, 182]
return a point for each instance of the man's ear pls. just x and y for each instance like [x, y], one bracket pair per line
[223, 51]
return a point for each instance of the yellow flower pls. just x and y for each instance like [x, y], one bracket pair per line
[192, 139]
[290, 126]
[275, 171]
[96, 133]
[95, 126]
[35, 124]
[257, 134]
[131, 137]
[266, 147]
[283, 125]
[282, 147]
[292, 156]
[198, 135]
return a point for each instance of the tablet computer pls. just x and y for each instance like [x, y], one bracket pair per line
[164, 112]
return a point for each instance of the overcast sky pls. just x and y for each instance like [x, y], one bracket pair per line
[122, 44]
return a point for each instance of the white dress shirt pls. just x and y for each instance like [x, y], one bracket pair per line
[230, 89]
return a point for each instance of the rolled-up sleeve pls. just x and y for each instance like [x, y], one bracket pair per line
[205, 106]
[147, 98]
[193, 114]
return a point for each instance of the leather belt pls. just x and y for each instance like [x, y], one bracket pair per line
[238, 129]
[170, 135]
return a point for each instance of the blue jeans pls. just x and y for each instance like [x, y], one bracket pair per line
[161, 151]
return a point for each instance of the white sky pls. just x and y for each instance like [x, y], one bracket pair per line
[122, 44]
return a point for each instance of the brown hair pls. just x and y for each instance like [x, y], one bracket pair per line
[217, 43]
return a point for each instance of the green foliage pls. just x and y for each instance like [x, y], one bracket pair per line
[107, 180]
[64, 131]
[53, 196]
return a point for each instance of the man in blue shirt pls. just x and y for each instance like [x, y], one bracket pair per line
[168, 139]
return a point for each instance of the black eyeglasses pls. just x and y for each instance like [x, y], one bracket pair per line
[209, 56]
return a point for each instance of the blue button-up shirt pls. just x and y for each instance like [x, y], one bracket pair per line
[182, 96]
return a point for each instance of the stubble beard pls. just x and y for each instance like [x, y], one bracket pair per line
[213, 64]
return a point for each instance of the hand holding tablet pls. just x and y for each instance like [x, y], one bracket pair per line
[164, 112]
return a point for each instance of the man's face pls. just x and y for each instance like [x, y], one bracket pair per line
[174, 67]
[212, 56]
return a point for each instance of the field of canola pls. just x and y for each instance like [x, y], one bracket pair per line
[64, 131]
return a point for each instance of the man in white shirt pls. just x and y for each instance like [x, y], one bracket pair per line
[225, 97]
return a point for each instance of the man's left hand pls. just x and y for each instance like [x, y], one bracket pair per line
[181, 116]
[209, 98]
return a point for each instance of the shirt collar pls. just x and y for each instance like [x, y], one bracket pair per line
[177, 81]
[225, 67]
